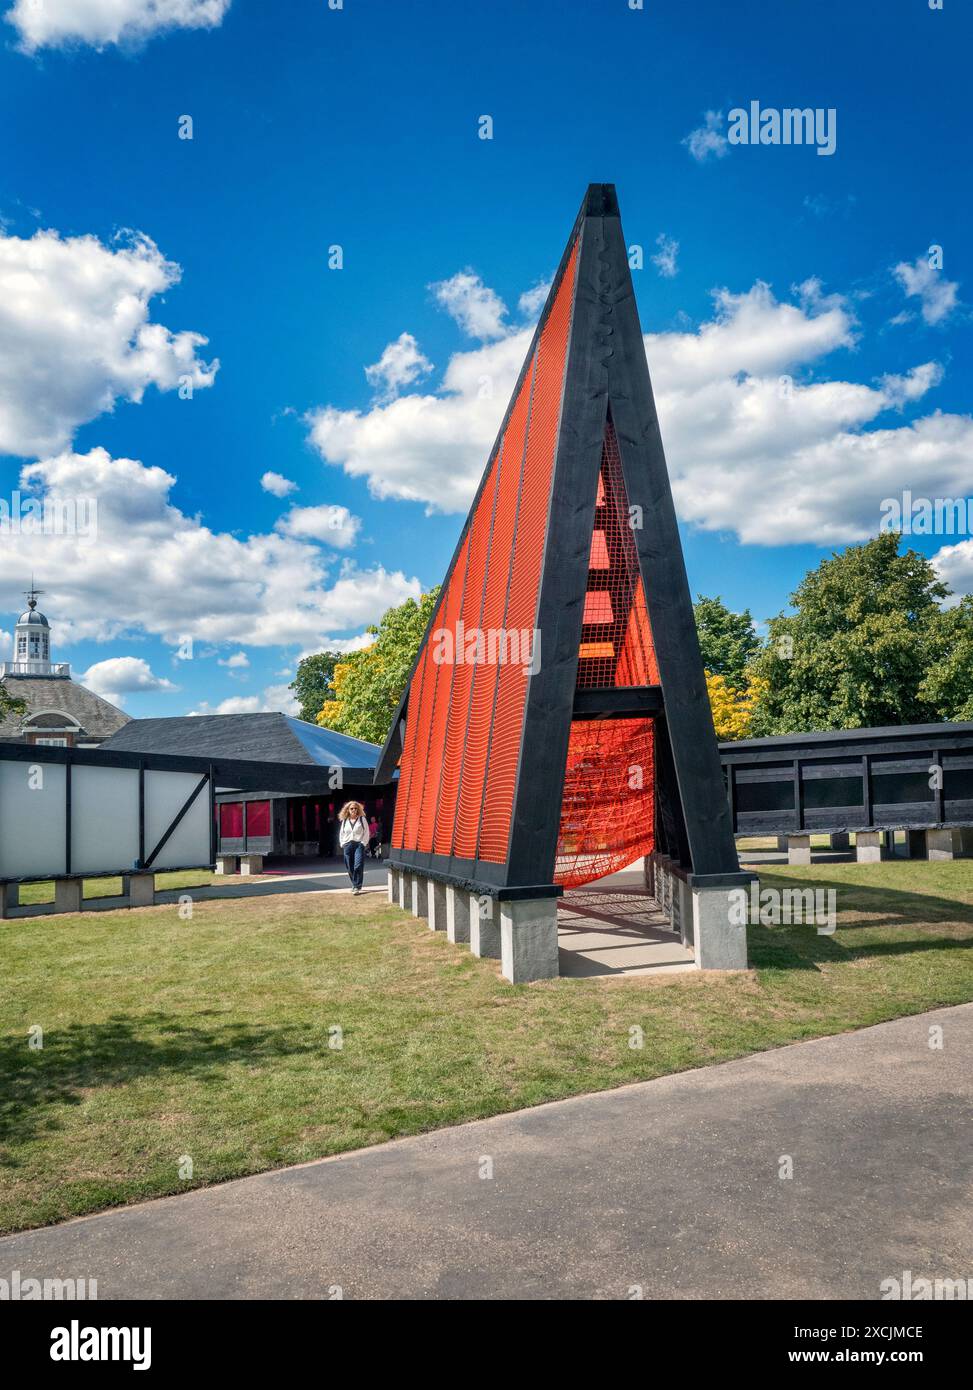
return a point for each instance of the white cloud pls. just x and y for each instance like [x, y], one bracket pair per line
[333, 525]
[75, 335]
[532, 301]
[54, 23]
[708, 139]
[477, 309]
[665, 258]
[237, 662]
[938, 296]
[275, 699]
[120, 676]
[954, 564]
[155, 570]
[762, 442]
[277, 484]
[400, 365]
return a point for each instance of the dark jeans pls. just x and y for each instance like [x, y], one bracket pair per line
[355, 862]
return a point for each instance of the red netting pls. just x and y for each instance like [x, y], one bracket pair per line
[616, 642]
[608, 809]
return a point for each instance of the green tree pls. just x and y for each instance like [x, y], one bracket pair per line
[368, 684]
[313, 682]
[727, 640]
[861, 647]
[948, 683]
[9, 704]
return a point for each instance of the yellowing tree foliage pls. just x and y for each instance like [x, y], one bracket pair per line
[733, 708]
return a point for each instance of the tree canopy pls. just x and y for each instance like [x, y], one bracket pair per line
[313, 683]
[727, 641]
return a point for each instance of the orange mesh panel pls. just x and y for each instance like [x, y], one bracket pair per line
[454, 741]
[607, 810]
[491, 624]
[425, 682]
[531, 529]
[616, 640]
[407, 760]
[428, 794]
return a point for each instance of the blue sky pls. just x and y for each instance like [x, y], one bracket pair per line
[358, 127]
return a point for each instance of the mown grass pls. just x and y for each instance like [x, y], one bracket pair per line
[214, 1038]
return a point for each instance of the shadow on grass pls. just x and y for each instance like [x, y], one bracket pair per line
[82, 1057]
[799, 947]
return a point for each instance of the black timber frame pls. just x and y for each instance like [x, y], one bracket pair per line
[869, 756]
[605, 371]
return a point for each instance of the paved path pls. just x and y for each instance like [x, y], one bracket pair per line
[672, 1185]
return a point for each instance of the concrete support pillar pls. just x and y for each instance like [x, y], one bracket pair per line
[420, 895]
[9, 897]
[251, 864]
[67, 894]
[915, 844]
[484, 926]
[720, 928]
[682, 912]
[799, 849]
[943, 844]
[436, 897]
[840, 840]
[226, 864]
[405, 891]
[966, 843]
[140, 889]
[528, 939]
[868, 846]
[393, 882]
[782, 844]
[458, 914]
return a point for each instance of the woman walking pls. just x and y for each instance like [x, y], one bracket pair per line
[353, 837]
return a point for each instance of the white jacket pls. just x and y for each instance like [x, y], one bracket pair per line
[354, 830]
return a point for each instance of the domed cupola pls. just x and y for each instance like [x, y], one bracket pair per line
[32, 638]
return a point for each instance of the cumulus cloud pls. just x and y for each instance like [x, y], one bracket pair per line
[400, 365]
[75, 335]
[762, 440]
[155, 570]
[275, 699]
[56, 23]
[479, 311]
[120, 676]
[532, 301]
[333, 525]
[277, 484]
[707, 140]
[954, 564]
[665, 258]
[237, 662]
[938, 296]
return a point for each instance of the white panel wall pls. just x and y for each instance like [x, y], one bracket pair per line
[104, 818]
[189, 844]
[31, 819]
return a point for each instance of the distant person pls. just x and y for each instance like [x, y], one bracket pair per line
[353, 837]
[374, 839]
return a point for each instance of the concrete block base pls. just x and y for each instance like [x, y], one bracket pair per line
[251, 864]
[528, 939]
[458, 914]
[943, 844]
[420, 895]
[798, 849]
[484, 927]
[9, 897]
[393, 885]
[720, 929]
[67, 894]
[436, 897]
[868, 846]
[140, 889]
[226, 864]
[405, 892]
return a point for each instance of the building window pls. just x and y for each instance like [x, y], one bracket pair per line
[258, 818]
[53, 742]
[231, 820]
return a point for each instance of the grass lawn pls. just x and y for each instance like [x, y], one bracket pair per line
[211, 1038]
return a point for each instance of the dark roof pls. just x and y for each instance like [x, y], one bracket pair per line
[98, 718]
[267, 738]
[883, 734]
